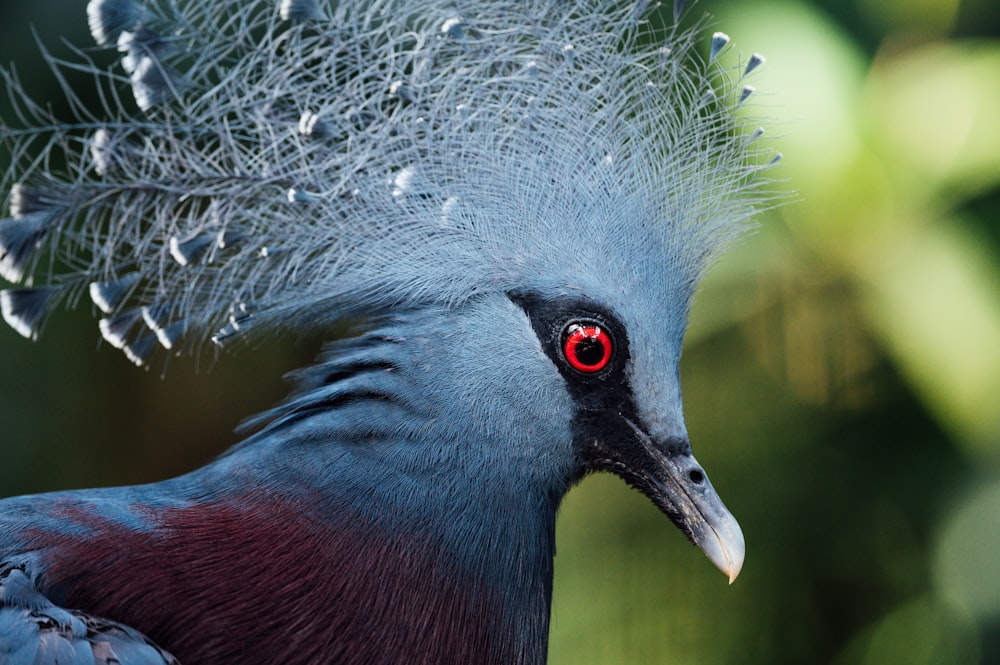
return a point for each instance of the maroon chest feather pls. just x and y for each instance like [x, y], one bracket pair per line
[220, 584]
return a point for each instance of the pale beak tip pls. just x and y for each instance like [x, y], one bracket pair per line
[735, 563]
[725, 546]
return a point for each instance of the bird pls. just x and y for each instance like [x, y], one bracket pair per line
[511, 203]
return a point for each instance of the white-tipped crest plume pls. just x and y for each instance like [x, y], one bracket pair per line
[268, 163]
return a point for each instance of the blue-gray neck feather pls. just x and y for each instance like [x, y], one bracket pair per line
[414, 435]
[394, 427]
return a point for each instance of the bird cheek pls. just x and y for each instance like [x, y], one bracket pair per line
[603, 442]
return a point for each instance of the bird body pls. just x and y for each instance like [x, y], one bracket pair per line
[519, 199]
[262, 577]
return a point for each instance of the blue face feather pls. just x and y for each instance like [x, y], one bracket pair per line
[519, 198]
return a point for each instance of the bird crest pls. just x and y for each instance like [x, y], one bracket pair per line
[284, 166]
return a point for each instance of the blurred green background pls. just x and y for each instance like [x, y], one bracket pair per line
[841, 376]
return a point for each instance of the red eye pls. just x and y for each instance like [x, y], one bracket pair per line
[586, 347]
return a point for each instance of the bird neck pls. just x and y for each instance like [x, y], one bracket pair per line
[419, 523]
[447, 575]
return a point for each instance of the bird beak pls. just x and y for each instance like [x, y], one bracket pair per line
[679, 487]
[672, 478]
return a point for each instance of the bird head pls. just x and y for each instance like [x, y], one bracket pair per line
[553, 379]
[528, 196]
[619, 368]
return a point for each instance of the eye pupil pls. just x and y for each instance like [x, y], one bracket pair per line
[586, 347]
[589, 351]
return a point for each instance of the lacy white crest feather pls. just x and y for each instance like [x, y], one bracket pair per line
[286, 163]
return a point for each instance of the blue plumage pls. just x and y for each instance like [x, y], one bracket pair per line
[519, 199]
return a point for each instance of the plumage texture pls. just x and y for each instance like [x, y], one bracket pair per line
[50, 634]
[289, 172]
[498, 189]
